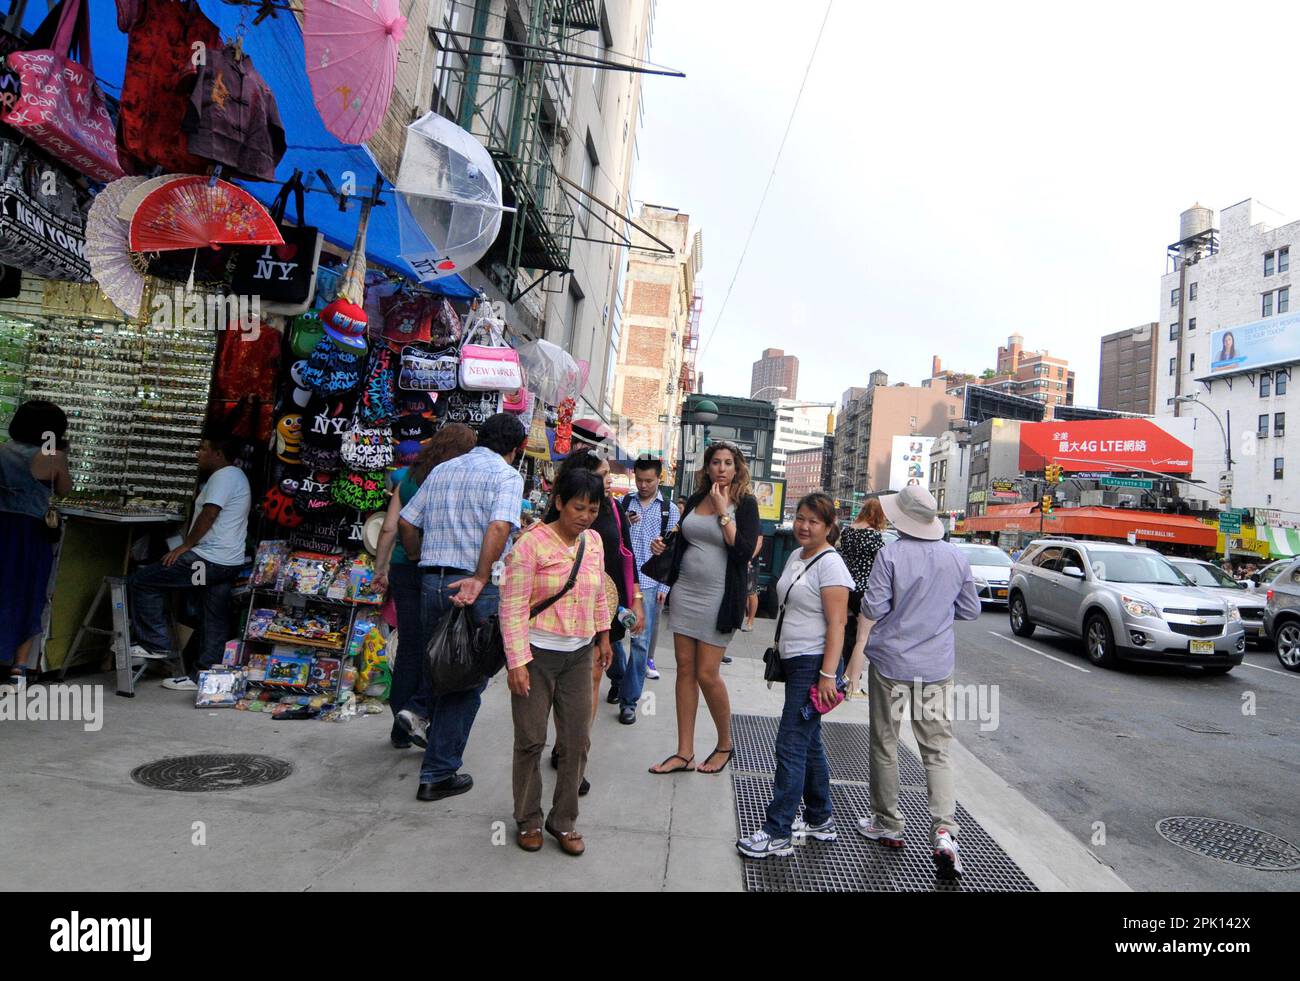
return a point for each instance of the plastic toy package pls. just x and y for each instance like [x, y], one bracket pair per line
[374, 676]
[288, 669]
[219, 688]
[313, 628]
[259, 622]
[311, 574]
[361, 575]
[269, 563]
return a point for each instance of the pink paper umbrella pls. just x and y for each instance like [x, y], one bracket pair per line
[351, 49]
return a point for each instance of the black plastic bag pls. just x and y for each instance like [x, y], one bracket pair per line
[450, 655]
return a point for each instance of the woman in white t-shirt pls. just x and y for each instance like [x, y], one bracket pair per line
[814, 589]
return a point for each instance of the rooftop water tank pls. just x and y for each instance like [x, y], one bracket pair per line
[1195, 221]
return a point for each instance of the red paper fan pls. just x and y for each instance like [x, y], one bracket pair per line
[188, 214]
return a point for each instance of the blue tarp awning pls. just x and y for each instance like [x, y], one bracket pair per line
[276, 48]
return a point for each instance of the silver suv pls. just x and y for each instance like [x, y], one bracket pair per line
[1126, 602]
[1282, 615]
[1211, 578]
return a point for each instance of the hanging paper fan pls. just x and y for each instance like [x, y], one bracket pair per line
[128, 206]
[108, 248]
[191, 214]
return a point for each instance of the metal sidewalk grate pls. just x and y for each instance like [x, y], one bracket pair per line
[1231, 842]
[847, 750]
[213, 772]
[854, 864]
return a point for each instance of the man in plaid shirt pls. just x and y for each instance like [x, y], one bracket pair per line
[649, 517]
[458, 523]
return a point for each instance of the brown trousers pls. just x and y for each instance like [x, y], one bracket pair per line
[563, 682]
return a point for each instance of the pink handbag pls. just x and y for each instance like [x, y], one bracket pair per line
[61, 109]
[490, 367]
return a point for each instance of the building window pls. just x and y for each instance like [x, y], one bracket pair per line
[1279, 423]
[1261, 426]
[1191, 292]
[1283, 259]
[590, 163]
[1268, 264]
[1283, 299]
[1265, 383]
[1191, 362]
[1278, 467]
[1191, 324]
[603, 43]
[1173, 297]
[1173, 332]
[1173, 365]
[1266, 310]
[1279, 385]
[575, 315]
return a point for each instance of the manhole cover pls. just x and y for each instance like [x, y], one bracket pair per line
[1230, 842]
[201, 774]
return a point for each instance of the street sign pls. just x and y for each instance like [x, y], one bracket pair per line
[1134, 482]
[1225, 481]
[1230, 522]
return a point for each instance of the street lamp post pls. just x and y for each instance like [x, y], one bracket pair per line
[1225, 489]
[770, 388]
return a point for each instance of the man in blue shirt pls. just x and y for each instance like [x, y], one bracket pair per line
[919, 584]
[458, 523]
[649, 517]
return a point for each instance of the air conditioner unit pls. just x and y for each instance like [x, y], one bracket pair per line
[1197, 505]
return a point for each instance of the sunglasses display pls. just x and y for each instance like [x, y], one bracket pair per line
[135, 395]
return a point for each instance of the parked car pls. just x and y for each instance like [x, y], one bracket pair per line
[1126, 603]
[1282, 615]
[1213, 579]
[991, 568]
[1264, 577]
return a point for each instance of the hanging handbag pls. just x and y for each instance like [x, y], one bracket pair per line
[427, 371]
[489, 645]
[61, 108]
[773, 668]
[42, 216]
[284, 276]
[492, 366]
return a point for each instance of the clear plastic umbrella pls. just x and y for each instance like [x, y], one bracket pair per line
[448, 198]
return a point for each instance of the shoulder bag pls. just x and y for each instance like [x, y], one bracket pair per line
[492, 366]
[773, 669]
[490, 646]
[284, 276]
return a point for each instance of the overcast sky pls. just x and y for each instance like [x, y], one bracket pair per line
[956, 172]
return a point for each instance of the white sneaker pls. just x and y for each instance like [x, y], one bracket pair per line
[651, 671]
[826, 831]
[415, 726]
[947, 856]
[762, 845]
[868, 828]
[139, 653]
[180, 683]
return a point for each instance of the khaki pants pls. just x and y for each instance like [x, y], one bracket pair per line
[563, 682]
[932, 736]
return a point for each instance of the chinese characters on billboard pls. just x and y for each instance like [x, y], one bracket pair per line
[1108, 445]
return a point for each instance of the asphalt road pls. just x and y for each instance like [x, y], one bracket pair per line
[1128, 747]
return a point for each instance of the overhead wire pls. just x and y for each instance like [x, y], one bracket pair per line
[794, 109]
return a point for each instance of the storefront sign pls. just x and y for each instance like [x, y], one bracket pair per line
[771, 499]
[977, 497]
[1003, 486]
[1108, 445]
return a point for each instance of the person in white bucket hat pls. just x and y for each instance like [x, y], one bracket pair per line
[919, 584]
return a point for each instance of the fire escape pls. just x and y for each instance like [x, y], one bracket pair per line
[691, 344]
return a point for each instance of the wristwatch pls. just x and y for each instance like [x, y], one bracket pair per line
[724, 520]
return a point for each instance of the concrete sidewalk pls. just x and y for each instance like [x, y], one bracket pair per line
[347, 818]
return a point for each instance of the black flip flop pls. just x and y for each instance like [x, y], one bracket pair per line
[729, 753]
[681, 769]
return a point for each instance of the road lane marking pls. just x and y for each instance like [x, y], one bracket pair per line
[1043, 653]
[1260, 667]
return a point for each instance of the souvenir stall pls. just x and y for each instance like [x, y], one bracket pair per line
[163, 279]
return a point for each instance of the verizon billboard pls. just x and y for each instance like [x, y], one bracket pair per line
[1108, 445]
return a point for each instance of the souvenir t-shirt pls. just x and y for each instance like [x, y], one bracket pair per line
[224, 543]
[803, 629]
[232, 117]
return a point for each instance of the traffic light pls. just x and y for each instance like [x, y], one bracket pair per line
[1047, 504]
[1053, 473]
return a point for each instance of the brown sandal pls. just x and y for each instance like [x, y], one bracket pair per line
[687, 768]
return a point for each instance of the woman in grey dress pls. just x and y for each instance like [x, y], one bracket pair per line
[711, 554]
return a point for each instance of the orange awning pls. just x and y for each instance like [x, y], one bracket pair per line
[1095, 522]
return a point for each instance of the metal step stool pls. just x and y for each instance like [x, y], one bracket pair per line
[129, 669]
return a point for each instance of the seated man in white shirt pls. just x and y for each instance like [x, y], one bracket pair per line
[209, 559]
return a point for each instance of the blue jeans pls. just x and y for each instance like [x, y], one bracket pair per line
[147, 586]
[631, 680]
[410, 676]
[451, 716]
[802, 772]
